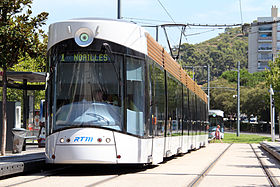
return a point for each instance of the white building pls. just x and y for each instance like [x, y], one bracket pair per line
[264, 42]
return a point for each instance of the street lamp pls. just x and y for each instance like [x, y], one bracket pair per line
[238, 98]
[272, 113]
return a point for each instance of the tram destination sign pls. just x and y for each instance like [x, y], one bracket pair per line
[85, 57]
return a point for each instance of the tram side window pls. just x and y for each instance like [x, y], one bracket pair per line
[204, 116]
[192, 112]
[159, 101]
[199, 103]
[185, 111]
[179, 101]
[135, 96]
[149, 97]
[195, 114]
[172, 125]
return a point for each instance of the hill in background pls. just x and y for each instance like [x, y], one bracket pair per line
[222, 53]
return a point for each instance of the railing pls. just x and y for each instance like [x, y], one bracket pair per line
[265, 57]
[265, 28]
[265, 48]
[265, 38]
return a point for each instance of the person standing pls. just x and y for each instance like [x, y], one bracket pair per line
[218, 134]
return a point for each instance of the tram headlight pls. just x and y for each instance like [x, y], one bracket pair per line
[84, 37]
[61, 140]
[108, 140]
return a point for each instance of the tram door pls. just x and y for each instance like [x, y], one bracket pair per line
[135, 96]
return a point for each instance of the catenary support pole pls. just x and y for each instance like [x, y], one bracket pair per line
[119, 9]
[208, 85]
[238, 99]
[157, 33]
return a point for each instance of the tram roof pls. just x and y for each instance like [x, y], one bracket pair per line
[100, 19]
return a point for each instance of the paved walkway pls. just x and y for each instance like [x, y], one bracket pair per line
[34, 157]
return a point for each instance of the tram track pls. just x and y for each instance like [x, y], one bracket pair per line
[236, 164]
[200, 177]
[101, 173]
[42, 175]
[271, 179]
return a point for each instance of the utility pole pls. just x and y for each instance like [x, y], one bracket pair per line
[157, 33]
[119, 9]
[208, 85]
[272, 113]
[238, 99]
[4, 18]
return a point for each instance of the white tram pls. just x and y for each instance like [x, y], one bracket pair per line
[115, 96]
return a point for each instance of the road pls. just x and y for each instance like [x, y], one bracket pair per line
[238, 166]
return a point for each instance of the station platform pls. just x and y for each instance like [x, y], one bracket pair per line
[31, 159]
[273, 148]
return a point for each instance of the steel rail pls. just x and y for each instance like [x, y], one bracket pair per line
[197, 180]
[46, 173]
[272, 181]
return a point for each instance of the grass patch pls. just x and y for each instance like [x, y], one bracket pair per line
[244, 138]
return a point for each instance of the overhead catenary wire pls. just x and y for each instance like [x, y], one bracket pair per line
[200, 26]
[166, 11]
[215, 26]
[182, 30]
[146, 19]
[192, 34]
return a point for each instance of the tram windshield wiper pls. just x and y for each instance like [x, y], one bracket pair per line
[106, 48]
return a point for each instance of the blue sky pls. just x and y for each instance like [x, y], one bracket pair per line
[182, 11]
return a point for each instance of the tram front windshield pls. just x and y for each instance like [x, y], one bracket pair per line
[88, 91]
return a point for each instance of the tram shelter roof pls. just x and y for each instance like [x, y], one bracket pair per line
[28, 76]
[24, 77]
[19, 80]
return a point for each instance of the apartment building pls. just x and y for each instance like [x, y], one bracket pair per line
[264, 42]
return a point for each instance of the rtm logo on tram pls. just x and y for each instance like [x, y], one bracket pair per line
[83, 139]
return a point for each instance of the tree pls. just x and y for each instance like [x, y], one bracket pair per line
[246, 79]
[222, 98]
[256, 101]
[254, 98]
[19, 36]
[221, 53]
[273, 78]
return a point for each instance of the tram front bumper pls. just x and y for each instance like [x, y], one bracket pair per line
[85, 154]
[81, 145]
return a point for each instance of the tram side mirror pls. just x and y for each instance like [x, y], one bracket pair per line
[106, 48]
[47, 80]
